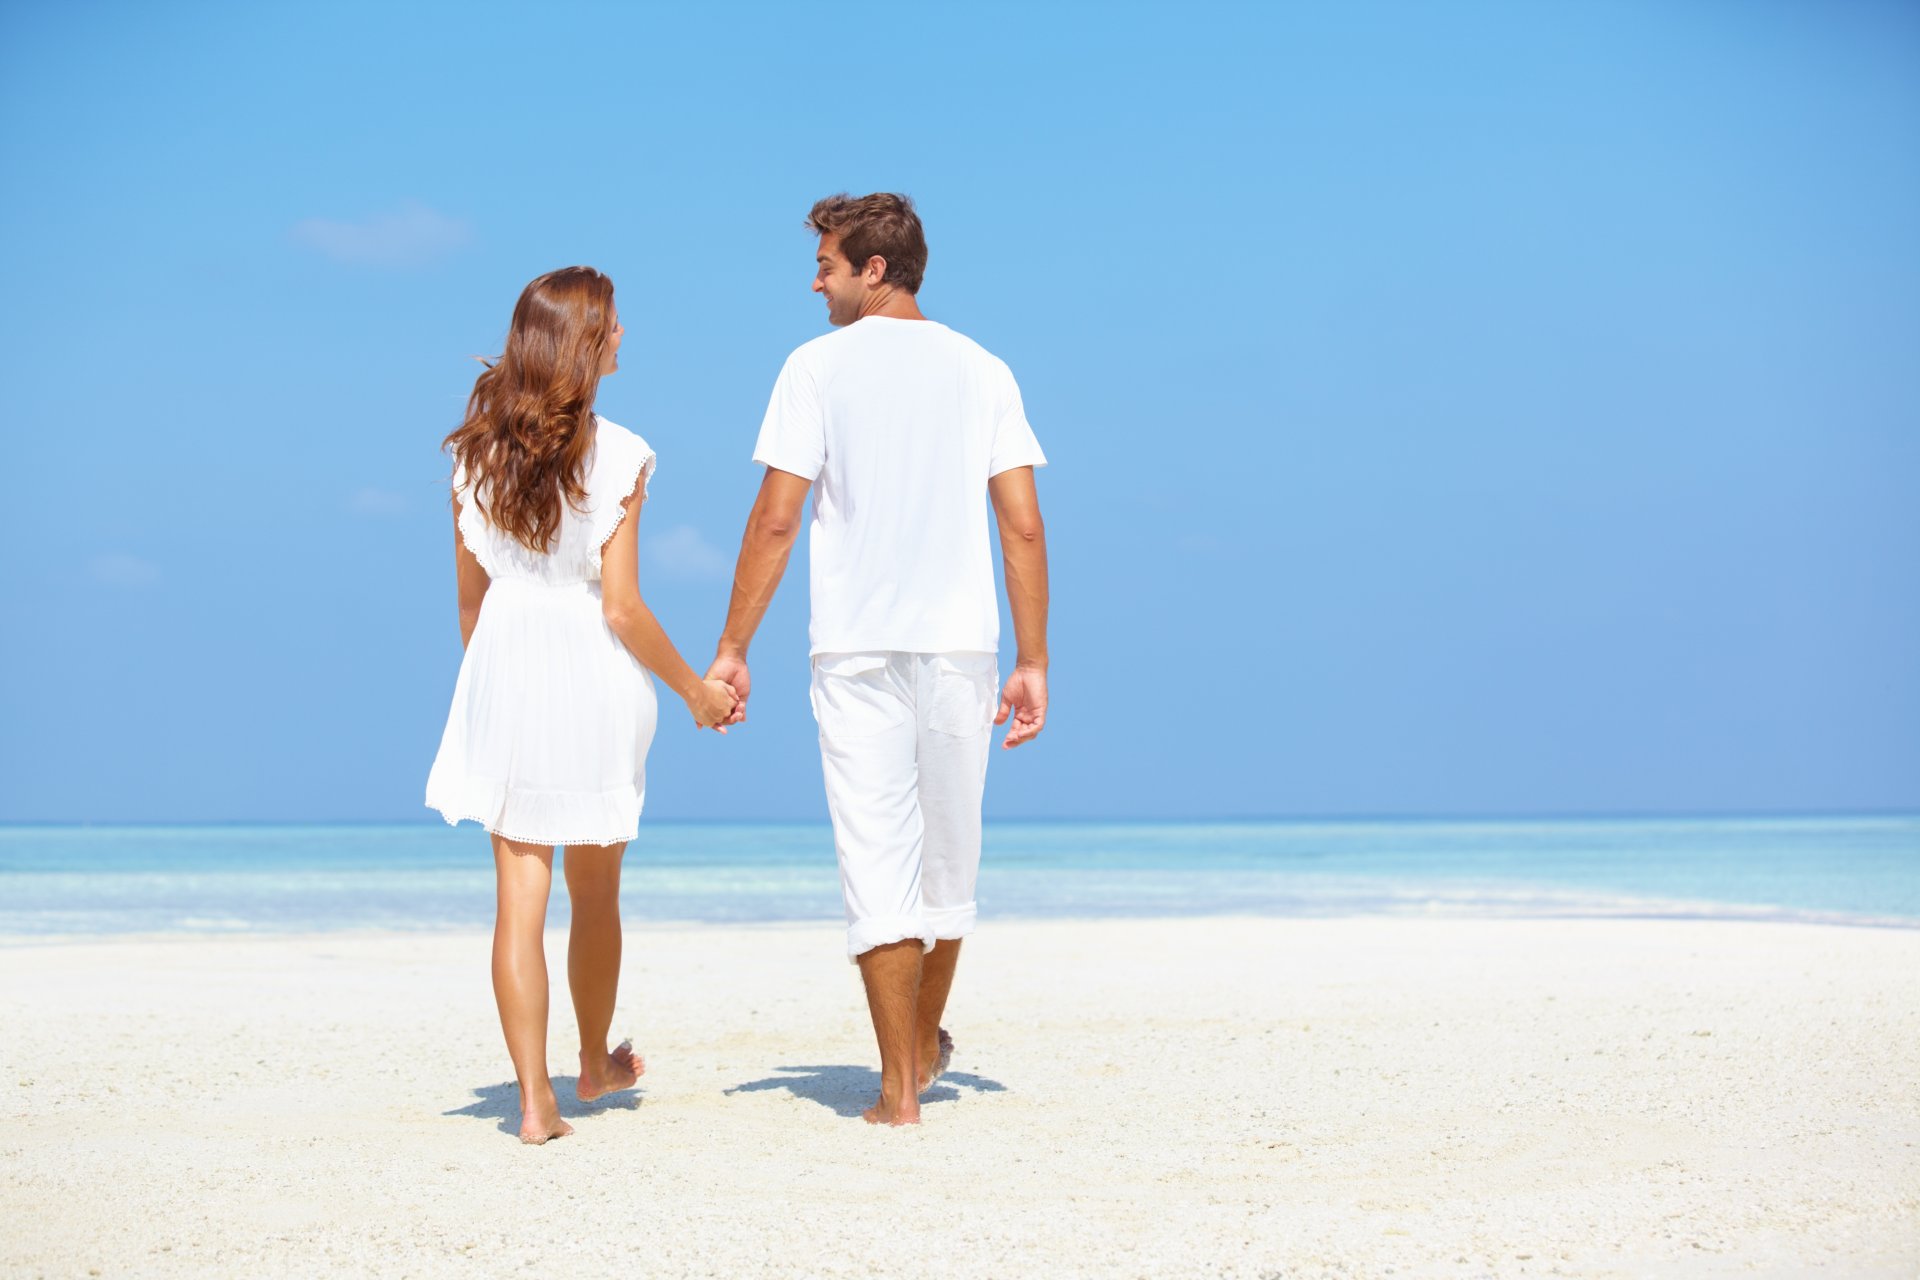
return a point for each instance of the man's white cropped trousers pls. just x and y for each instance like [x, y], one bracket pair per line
[903, 743]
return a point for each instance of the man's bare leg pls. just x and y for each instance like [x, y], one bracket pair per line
[523, 875]
[892, 977]
[936, 981]
[593, 967]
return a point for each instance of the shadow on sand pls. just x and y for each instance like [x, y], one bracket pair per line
[501, 1102]
[847, 1091]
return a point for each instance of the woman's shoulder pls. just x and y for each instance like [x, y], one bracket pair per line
[616, 441]
[621, 459]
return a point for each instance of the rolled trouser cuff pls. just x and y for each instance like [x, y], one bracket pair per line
[948, 924]
[878, 931]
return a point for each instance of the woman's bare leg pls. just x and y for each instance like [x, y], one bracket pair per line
[523, 874]
[593, 966]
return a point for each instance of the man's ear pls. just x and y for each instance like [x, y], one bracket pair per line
[875, 272]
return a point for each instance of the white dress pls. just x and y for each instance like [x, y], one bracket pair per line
[552, 716]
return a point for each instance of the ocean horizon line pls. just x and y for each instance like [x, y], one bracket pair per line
[1302, 819]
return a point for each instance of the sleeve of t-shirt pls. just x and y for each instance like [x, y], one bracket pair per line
[793, 435]
[1013, 441]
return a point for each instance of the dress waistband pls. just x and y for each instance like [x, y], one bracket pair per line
[573, 586]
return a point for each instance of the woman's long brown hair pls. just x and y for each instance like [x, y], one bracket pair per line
[529, 423]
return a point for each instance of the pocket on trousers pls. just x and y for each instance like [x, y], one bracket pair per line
[964, 694]
[854, 696]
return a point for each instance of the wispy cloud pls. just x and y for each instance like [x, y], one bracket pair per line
[681, 552]
[379, 503]
[118, 569]
[410, 236]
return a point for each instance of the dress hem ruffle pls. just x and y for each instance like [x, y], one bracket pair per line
[455, 819]
[506, 813]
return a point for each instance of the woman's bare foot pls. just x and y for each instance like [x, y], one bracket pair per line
[615, 1071]
[890, 1111]
[942, 1059]
[542, 1121]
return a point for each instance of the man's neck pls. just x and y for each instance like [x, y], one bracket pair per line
[895, 304]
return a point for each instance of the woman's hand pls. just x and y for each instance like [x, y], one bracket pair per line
[734, 671]
[713, 704]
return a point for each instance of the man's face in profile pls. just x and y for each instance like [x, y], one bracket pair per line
[834, 278]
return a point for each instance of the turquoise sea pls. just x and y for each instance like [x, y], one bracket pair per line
[162, 879]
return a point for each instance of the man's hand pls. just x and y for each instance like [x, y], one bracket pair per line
[734, 672]
[1024, 698]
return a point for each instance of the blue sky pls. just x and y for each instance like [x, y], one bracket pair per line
[1479, 408]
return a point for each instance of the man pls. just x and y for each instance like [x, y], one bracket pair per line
[905, 426]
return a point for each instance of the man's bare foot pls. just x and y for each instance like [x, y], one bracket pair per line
[615, 1071]
[887, 1111]
[942, 1059]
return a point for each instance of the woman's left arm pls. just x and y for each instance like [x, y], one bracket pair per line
[471, 579]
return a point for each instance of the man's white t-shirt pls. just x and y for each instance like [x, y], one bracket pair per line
[899, 423]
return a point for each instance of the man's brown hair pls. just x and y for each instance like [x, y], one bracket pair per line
[882, 225]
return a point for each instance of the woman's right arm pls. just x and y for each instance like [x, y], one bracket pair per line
[710, 701]
[470, 579]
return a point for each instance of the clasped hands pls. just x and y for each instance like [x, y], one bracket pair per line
[717, 704]
[729, 673]
[1024, 698]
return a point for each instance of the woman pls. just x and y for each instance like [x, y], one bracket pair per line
[554, 709]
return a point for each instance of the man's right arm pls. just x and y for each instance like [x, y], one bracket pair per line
[1023, 547]
[772, 527]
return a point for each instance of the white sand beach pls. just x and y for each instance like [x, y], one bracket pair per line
[1258, 1098]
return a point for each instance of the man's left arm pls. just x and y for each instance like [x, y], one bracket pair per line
[1023, 550]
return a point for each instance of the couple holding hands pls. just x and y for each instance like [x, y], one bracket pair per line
[900, 427]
